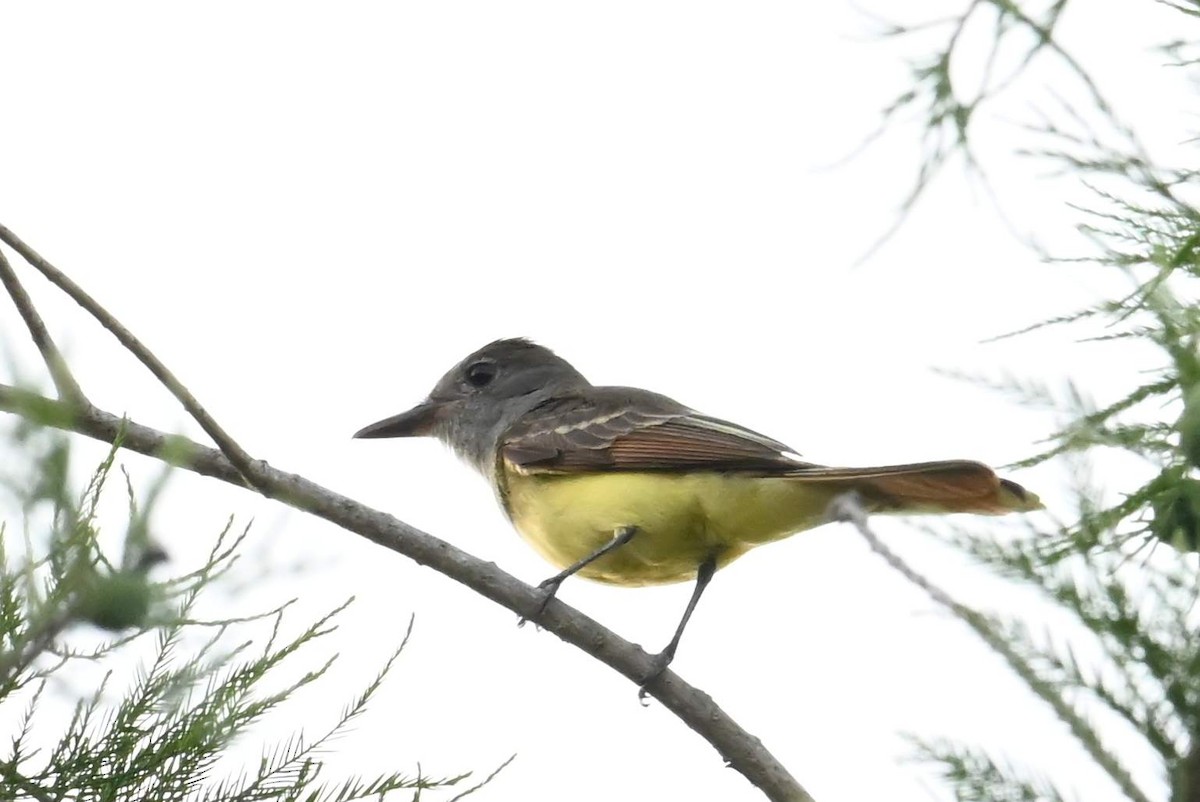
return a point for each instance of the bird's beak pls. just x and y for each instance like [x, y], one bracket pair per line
[417, 422]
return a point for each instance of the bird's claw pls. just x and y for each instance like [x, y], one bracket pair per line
[659, 665]
[548, 589]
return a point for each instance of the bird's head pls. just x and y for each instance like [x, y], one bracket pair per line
[477, 399]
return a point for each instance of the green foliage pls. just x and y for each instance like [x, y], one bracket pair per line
[1124, 571]
[1188, 427]
[944, 109]
[158, 733]
[977, 777]
[115, 601]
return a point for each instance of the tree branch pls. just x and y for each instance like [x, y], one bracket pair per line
[848, 507]
[229, 447]
[738, 748]
[60, 374]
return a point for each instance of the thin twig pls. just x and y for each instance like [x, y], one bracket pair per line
[849, 507]
[14, 661]
[246, 466]
[738, 748]
[486, 780]
[60, 374]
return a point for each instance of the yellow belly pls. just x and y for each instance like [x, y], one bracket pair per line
[682, 520]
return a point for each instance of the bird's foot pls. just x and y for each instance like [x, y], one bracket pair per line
[659, 663]
[548, 589]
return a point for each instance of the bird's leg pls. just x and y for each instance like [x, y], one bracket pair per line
[704, 575]
[550, 586]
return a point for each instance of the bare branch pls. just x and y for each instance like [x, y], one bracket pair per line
[738, 748]
[229, 447]
[849, 507]
[60, 374]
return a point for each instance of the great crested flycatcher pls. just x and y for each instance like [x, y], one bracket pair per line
[629, 487]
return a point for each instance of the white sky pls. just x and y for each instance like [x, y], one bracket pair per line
[310, 211]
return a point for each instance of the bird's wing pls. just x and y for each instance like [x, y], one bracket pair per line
[624, 429]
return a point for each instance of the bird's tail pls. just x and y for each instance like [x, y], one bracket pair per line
[927, 487]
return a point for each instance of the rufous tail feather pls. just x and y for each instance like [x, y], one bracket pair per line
[950, 486]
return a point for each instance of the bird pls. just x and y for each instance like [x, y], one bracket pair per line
[628, 487]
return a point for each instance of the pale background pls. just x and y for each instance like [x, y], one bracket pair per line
[310, 211]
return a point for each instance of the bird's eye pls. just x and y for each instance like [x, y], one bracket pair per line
[480, 374]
